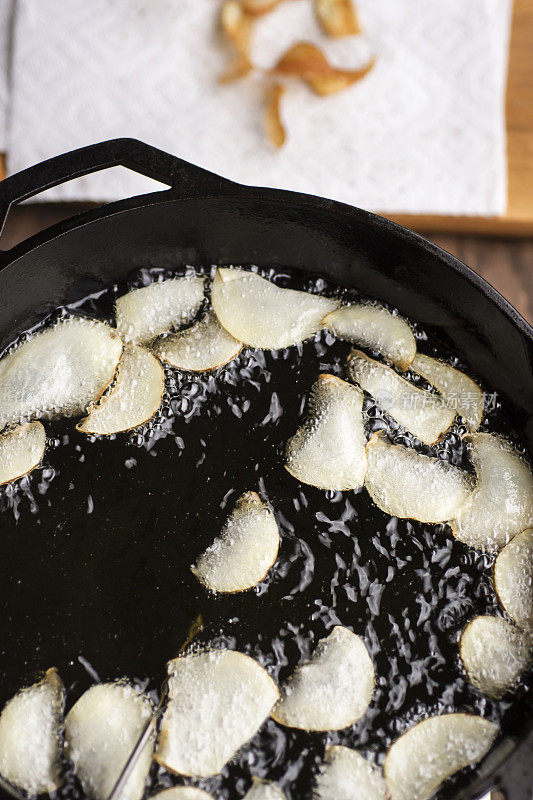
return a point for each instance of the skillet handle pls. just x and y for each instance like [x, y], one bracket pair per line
[183, 178]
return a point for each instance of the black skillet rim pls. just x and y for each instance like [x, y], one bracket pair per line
[186, 180]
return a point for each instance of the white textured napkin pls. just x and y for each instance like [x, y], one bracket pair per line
[6, 8]
[423, 132]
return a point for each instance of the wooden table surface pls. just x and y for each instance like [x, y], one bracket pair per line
[507, 264]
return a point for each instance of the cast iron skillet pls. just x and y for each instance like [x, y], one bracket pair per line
[205, 219]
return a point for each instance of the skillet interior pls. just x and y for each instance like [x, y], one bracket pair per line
[277, 229]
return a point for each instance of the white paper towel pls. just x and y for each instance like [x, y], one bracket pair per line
[6, 10]
[423, 132]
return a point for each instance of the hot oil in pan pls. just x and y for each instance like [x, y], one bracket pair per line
[96, 548]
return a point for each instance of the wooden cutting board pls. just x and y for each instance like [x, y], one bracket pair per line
[518, 221]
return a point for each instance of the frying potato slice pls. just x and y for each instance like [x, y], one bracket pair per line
[410, 485]
[60, 370]
[101, 731]
[513, 579]
[260, 314]
[346, 775]
[217, 701]
[204, 346]
[244, 552]
[494, 654]
[374, 327]
[502, 503]
[264, 790]
[145, 313]
[422, 413]
[433, 750]
[459, 391]
[306, 61]
[237, 27]
[328, 450]
[21, 450]
[272, 119]
[30, 736]
[333, 689]
[337, 17]
[134, 398]
[183, 793]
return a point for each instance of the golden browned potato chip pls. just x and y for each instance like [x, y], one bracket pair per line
[237, 28]
[274, 127]
[337, 17]
[240, 67]
[307, 61]
[236, 25]
[258, 7]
